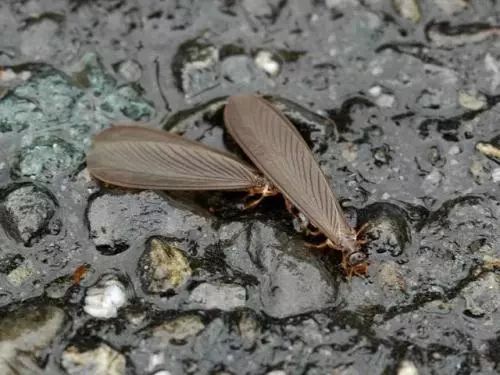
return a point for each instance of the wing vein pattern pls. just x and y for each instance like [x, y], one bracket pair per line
[279, 151]
[145, 158]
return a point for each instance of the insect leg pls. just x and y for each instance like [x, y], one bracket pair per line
[363, 229]
[266, 191]
[253, 203]
[323, 245]
[312, 232]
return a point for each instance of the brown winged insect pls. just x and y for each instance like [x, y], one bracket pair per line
[144, 158]
[278, 150]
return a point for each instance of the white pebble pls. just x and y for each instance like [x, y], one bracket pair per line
[104, 299]
[385, 101]
[130, 70]
[407, 368]
[340, 3]
[7, 75]
[267, 63]
[375, 91]
[218, 296]
[454, 150]
[496, 175]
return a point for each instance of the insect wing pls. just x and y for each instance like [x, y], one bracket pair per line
[144, 158]
[279, 151]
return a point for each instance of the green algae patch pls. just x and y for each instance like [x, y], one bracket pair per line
[48, 119]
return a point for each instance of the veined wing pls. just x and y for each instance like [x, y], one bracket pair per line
[145, 158]
[279, 151]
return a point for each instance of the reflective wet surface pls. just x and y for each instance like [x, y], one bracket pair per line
[397, 99]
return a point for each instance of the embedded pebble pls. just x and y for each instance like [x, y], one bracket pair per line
[479, 170]
[249, 329]
[291, 280]
[442, 34]
[292, 286]
[195, 66]
[46, 157]
[38, 39]
[495, 174]
[341, 3]
[407, 368]
[390, 279]
[163, 267]
[408, 9]
[102, 360]
[238, 69]
[472, 102]
[385, 101]
[489, 150]
[180, 328]
[28, 210]
[454, 150]
[266, 61]
[452, 6]
[349, 152]
[432, 181]
[24, 334]
[375, 91]
[481, 296]
[218, 296]
[261, 8]
[382, 97]
[130, 70]
[104, 299]
[21, 274]
[387, 228]
[446, 236]
[117, 220]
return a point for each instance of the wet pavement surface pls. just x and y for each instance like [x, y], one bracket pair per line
[399, 101]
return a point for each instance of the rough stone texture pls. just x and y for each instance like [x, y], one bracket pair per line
[401, 112]
[24, 334]
[102, 360]
[26, 212]
[223, 296]
[164, 267]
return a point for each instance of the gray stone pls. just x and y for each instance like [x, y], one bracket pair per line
[24, 334]
[196, 66]
[130, 70]
[218, 296]
[27, 211]
[117, 220]
[102, 360]
[408, 9]
[481, 296]
[238, 69]
[46, 157]
[180, 328]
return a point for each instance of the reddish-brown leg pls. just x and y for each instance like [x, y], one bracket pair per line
[323, 245]
[313, 232]
[362, 229]
[265, 191]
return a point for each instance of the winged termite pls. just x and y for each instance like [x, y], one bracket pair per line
[276, 147]
[144, 158]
